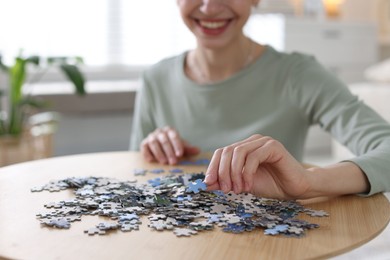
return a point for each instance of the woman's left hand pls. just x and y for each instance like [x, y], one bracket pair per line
[259, 165]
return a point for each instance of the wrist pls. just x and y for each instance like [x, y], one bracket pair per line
[336, 180]
[319, 185]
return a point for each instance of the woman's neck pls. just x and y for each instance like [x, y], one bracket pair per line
[207, 66]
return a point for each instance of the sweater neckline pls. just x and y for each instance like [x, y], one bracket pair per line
[189, 82]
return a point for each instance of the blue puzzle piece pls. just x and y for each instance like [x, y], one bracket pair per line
[245, 215]
[240, 211]
[185, 163]
[182, 198]
[155, 182]
[271, 231]
[128, 217]
[214, 218]
[276, 230]
[139, 172]
[219, 193]
[281, 228]
[202, 162]
[234, 228]
[176, 170]
[196, 186]
[156, 171]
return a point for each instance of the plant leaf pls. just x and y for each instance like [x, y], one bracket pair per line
[15, 126]
[17, 77]
[79, 60]
[75, 76]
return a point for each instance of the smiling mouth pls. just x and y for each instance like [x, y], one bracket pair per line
[213, 27]
[213, 24]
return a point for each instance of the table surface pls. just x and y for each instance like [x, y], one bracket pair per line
[353, 220]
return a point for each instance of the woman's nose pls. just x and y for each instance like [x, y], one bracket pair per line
[211, 6]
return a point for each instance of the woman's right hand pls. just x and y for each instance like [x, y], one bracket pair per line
[164, 145]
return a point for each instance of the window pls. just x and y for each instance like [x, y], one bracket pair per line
[107, 32]
[102, 31]
[48, 28]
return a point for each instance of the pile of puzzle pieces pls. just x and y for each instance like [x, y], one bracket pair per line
[176, 201]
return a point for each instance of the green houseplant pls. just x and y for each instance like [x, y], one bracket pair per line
[16, 107]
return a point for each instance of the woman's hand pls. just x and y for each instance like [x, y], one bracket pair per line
[165, 146]
[259, 165]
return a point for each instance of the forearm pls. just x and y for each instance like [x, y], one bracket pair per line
[335, 180]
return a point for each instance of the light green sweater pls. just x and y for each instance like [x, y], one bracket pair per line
[280, 95]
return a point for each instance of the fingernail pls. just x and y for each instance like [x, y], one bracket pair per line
[206, 179]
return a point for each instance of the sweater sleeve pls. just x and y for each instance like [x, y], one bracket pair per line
[143, 122]
[329, 103]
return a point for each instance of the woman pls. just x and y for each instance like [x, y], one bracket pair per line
[257, 104]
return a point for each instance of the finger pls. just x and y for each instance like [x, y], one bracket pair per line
[156, 149]
[176, 141]
[214, 186]
[212, 170]
[241, 149]
[249, 139]
[212, 173]
[237, 165]
[167, 147]
[146, 153]
[224, 170]
[257, 157]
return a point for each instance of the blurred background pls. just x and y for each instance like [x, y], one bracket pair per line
[118, 39]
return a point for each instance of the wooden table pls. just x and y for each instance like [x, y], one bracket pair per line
[353, 221]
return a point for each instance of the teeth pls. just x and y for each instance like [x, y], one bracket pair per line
[212, 25]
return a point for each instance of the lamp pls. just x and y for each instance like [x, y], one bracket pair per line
[332, 7]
